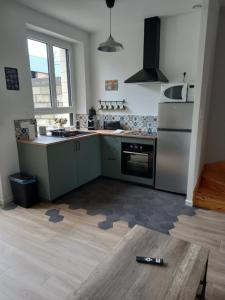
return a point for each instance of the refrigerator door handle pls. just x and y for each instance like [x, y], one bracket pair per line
[174, 130]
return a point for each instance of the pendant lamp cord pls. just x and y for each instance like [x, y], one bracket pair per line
[110, 26]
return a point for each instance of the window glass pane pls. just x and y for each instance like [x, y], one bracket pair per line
[61, 76]
[49, 120]
[38, 57]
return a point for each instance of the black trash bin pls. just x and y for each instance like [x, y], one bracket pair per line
[24, 188]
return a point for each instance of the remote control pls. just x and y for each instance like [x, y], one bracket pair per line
[150, 260]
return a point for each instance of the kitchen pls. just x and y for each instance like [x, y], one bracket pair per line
[115, 115]
[98, 136]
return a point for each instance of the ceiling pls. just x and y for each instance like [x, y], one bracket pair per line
[91, 15]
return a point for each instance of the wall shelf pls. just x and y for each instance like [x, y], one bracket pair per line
[112, 105]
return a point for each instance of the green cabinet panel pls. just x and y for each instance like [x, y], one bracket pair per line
[65, 166]
[33, 160]
[62, 166]
[111, 156]
[88, 159]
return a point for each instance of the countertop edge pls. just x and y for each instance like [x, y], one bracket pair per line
[95, 133]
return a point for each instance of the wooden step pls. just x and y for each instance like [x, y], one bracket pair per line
[209, 201]
[214, 180]
[209, 193]
[210, 189]
[219, 166]
[217, 176]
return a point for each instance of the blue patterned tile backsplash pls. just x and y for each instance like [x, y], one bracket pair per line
[128, 122]
[23, 133]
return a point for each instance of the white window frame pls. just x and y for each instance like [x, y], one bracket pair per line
[50, 42]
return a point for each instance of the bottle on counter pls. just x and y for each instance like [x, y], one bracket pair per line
[78, 124]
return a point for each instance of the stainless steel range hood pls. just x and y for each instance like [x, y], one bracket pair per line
[150, 71]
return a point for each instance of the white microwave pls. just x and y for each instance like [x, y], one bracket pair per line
[174, 92]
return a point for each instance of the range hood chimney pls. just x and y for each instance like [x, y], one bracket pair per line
[150, 71]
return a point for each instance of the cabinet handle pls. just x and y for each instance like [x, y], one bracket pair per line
[76, 146]
[136, 153]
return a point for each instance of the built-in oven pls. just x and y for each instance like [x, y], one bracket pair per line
[138, 160]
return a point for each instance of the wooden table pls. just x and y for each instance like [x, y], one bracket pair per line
[121, 277]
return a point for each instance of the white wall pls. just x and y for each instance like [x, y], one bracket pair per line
[179, 50]
[216, 122]
[18, 104]
[208, 33]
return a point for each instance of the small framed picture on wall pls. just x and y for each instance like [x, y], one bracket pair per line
[12, 79]
[111, 85]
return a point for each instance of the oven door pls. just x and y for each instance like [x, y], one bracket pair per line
[137, 164]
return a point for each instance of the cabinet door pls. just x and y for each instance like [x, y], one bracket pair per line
[88, 159]
[62, 165]
[111, 156]
[33, 160]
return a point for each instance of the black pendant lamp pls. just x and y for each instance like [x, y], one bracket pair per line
[110, 45]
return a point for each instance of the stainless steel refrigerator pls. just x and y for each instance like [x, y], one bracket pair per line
[173, 146]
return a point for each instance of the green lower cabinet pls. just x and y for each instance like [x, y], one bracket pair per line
[65, 166]
[62, 168]
[33, 160]
[73, 164]
[111, 156]
[88, 159]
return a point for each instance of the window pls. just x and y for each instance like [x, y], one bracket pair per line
[38, 56]
[50, 77]
[49, 120]
[61, 77]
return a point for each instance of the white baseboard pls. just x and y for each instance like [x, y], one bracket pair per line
[189, 202]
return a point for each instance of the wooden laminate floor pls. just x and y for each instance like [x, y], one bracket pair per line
[40, 260]
[44, 260]
[207, 228]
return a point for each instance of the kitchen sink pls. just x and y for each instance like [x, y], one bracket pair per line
[66, 133]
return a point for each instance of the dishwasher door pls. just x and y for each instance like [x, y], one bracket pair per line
[172, 160]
